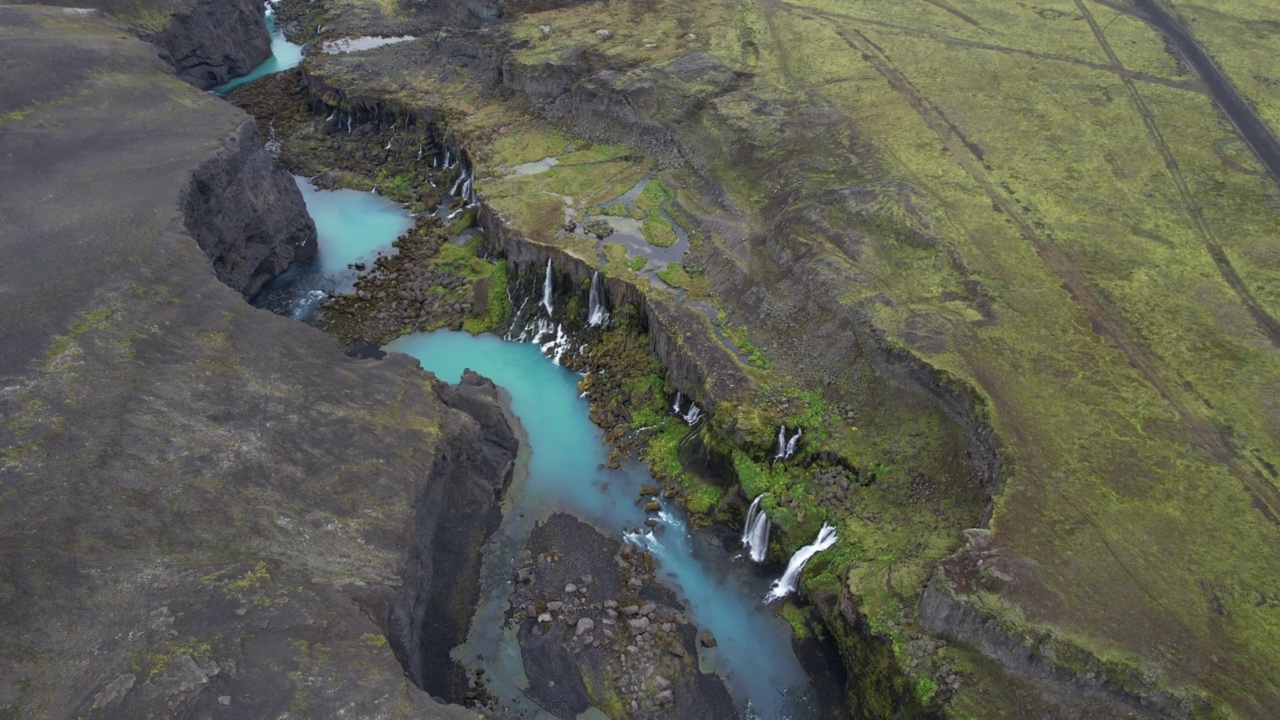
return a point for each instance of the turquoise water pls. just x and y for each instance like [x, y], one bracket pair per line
[566, 472]
[284, 55]
[351, 227]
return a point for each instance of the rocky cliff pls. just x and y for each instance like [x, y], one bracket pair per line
[207, 43]
[206, 508]
[244, 210]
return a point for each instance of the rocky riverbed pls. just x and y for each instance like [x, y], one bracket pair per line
[596, 628]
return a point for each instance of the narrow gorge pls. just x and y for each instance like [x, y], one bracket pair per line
[629, 359]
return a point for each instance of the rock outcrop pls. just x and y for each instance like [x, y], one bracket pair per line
[206, 508]
[247, 214]
[207, 43]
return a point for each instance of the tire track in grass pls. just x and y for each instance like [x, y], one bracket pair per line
[942, 39]
[1266, 324]
[1263, 494]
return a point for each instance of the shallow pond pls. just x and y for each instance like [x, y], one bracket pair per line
[351, 227]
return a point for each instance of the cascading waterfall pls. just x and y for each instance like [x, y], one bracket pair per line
[690, 416]
[694, 414]
[790, 579]
[755, 534]
[555, 348]
[515, 318]
[460, 183]
[597, 315]
[546, 290]
[468, 194]
[787, 447]
[792, 443]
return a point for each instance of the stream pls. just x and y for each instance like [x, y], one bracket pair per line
[566, 472]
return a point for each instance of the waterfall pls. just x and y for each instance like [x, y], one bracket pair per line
[515, 318]
[546, 290]
[791, 444]
[790, 579]
[557, 346]
[690, 416]
[787, 448]
[446, 159]
[597, 316]
[694, 414]
[460, 183]
[419, 152]
[755, 534]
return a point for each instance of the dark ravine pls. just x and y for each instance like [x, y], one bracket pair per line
[209, 43]
[457, 512]
[702, 368]
[206, 43]
[218, 509]
[246, 213]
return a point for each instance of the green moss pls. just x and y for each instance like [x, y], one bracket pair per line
[674, 275]
[658, 231]
[798, 618]
[499, 307]
[738, 334]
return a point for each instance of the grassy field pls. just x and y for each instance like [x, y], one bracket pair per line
[1243, 36]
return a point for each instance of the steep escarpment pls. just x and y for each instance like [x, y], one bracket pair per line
[681, 337]
[455, 515]
[247, 214]
[207, 43]
[208, 508]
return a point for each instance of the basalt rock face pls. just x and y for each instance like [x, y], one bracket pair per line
[456, 514]
[209, 43]
[207, 508]
[247, 213]
[699, 367]
[1079, 687]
